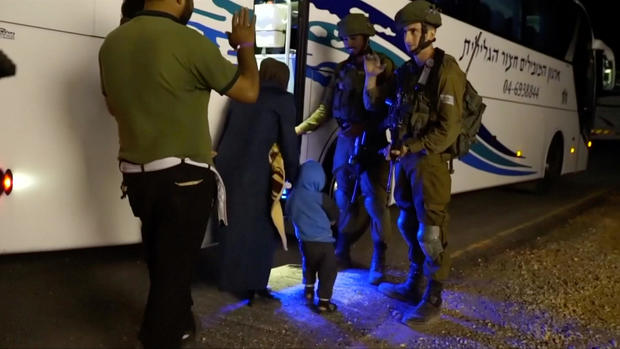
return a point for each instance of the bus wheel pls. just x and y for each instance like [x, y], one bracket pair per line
[553, 165]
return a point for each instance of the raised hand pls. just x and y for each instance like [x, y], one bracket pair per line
[372, 65]
[243, 29]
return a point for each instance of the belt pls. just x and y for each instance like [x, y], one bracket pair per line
[159, 164]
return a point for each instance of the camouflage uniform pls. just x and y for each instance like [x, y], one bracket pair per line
[423, 182]
[344, 99]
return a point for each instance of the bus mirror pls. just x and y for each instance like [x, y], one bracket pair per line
[608, 73]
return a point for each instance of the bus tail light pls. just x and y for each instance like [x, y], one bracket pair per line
[7, 182]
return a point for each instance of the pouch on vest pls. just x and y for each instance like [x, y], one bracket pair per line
[471, 116]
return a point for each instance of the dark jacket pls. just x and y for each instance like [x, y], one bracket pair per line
[247, 244]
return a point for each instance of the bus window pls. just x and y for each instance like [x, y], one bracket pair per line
[501, 17]
[546, 29]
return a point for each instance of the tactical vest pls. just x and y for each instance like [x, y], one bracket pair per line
[413, 101]
[348, 102]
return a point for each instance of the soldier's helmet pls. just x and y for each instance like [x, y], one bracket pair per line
[418, 11]
[355, 24]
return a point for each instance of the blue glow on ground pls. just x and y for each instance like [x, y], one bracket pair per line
[367, 318]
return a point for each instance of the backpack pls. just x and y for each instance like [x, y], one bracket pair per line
[473, 108]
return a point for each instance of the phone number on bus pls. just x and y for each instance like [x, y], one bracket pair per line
[521, 89]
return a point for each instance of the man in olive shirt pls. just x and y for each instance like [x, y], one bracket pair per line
[157, 76]
[426, 131]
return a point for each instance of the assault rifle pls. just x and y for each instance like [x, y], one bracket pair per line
[355, 163]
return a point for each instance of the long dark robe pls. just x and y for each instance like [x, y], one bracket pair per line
[247, 244]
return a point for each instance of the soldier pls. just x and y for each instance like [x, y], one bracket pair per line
[343, 100]
[426, 132]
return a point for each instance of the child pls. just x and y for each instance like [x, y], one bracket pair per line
[312, 213]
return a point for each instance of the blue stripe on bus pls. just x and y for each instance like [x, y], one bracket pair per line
[330, 29]
[210, 33]
[483, 151]
[342, 8]
[210, 15]
[480, 164]
[492, 141]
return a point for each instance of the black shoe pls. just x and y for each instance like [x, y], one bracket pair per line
[403, 292]
[266, 294]
[429, 308]
[309, 293]
[189, 334]
[326, 307]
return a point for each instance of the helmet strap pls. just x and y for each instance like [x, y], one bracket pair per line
[423, 44]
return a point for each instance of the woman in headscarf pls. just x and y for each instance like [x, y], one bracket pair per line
[247, 243]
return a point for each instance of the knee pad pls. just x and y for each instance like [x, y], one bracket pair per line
[429, 237]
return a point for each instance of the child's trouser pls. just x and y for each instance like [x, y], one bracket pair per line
[319, 258]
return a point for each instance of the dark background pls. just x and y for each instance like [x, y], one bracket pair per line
[605, 20]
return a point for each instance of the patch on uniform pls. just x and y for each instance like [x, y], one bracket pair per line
[188, 183]
[447, 99]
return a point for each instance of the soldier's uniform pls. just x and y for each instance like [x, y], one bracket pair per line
[431, 125]
[344, 99]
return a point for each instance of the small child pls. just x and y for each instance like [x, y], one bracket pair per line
[312, 213]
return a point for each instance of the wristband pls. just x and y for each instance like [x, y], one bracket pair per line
[245, 44]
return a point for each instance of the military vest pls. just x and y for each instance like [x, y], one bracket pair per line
[348, 102]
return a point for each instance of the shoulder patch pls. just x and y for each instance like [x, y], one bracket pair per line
[447, 99]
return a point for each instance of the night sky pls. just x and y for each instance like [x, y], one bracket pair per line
[604, 22]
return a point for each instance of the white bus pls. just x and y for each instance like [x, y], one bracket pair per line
[61, 145]
[539, 71]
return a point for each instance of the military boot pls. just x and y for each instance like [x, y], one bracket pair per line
[376, 274]
[429, 308]
[409, 291]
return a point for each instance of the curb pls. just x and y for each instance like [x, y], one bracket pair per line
[529, 230]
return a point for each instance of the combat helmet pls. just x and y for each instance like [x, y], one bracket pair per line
[418, 11]
[355, 24]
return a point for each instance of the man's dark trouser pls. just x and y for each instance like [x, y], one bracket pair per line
[422, 193]
[174, 206]
[318, 257]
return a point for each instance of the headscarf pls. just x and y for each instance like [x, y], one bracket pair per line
[274, 71]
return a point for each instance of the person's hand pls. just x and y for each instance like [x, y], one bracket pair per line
[372, 65]
[354, 130]
[394, 153]
[243, 29]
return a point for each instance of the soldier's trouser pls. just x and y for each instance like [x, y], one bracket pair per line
[354, 219]
[422, 193]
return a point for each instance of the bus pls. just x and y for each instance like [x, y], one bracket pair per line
[538, 71]
[606, 126]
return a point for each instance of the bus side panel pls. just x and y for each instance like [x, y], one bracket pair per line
[59, 139]
[530, 96]
[213, 19]
[62, 145]
[76, 16]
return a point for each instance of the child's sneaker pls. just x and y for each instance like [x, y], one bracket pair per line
[325, 306]
[309, 293]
